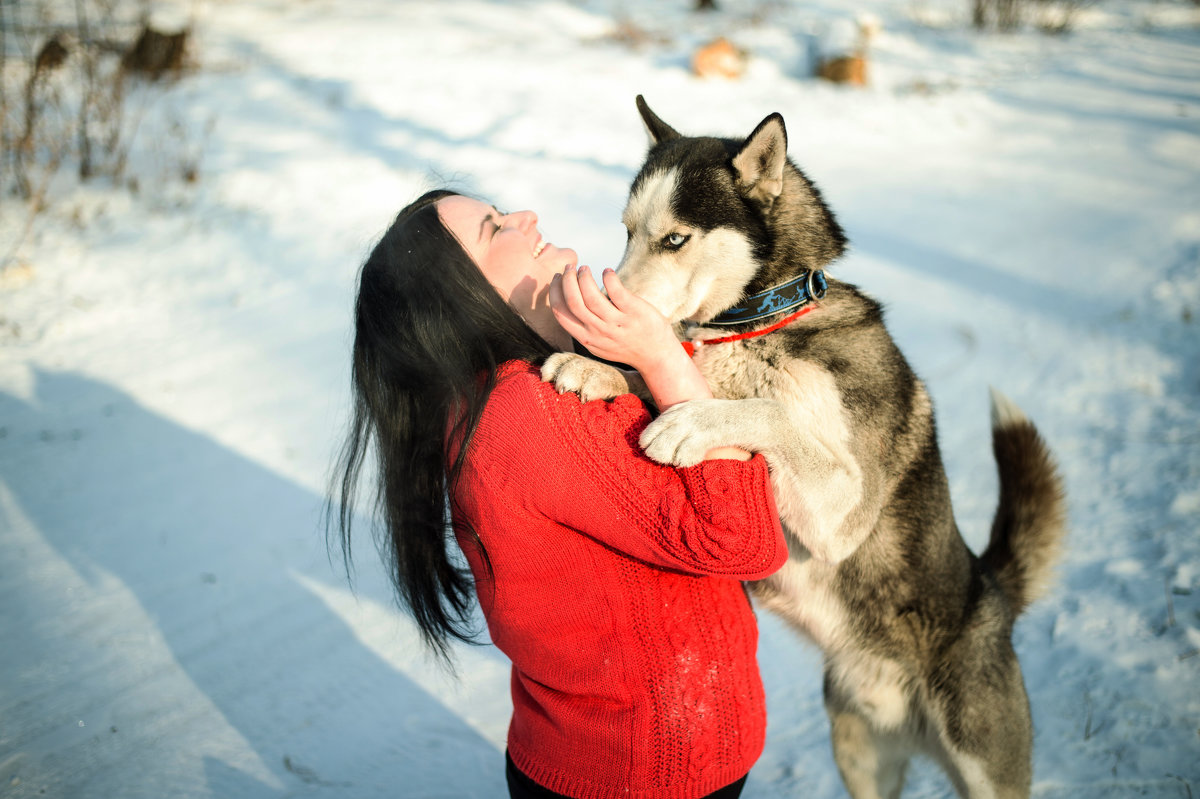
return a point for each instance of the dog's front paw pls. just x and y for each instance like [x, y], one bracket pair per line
[583, 376]
[685, 433]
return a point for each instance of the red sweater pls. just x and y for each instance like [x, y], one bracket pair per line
[617, 594]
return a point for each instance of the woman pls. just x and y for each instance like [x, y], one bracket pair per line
[612, 582]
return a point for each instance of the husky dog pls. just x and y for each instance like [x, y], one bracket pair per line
[729, 239]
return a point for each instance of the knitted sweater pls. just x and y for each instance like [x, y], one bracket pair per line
[617, 594]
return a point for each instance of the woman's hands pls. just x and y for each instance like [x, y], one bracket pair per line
[625, 328]
[621, 327]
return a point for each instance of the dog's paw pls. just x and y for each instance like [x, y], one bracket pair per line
[685, 433]
[589, 379]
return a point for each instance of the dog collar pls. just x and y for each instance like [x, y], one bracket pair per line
[809, 286]
[798, 293]
[690, 346]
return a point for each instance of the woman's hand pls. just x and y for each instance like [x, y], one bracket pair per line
[625, 328]
[621, 327]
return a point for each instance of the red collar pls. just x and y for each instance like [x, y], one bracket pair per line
[690, 346]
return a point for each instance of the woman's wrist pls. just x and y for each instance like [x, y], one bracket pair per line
[672, 377]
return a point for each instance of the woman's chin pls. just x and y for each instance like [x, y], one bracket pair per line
[559, 258]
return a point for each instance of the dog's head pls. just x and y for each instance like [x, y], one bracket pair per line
[711, 220]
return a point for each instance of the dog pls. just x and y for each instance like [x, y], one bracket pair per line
[730, 240]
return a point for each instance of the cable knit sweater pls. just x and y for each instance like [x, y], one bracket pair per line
[617, 594]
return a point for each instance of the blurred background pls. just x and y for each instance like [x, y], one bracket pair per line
[189, 188]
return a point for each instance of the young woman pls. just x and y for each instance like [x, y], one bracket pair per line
[612, 582]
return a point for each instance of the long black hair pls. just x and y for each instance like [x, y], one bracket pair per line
[429, 333]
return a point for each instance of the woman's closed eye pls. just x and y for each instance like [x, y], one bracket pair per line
[497, 217]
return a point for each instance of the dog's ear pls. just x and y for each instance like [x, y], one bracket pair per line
[659, 131]
[759, 163]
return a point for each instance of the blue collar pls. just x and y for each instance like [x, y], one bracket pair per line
[776, 300]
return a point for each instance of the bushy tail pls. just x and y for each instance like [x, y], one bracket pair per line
[1030, 521]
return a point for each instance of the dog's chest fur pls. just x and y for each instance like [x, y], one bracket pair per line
[737, 370]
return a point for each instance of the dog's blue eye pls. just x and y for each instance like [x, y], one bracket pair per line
[675, 240]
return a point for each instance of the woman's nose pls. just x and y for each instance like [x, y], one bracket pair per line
[523, 220]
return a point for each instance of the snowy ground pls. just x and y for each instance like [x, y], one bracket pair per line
[173, 370]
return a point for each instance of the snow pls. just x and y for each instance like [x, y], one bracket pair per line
[174, 370]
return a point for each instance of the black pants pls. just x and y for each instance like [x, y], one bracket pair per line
[521, 787]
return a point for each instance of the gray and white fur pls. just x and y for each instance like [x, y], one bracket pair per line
[915, 628]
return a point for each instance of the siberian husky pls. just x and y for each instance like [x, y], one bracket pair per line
[729, 239]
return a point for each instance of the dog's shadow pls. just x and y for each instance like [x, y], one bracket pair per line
[162, 634]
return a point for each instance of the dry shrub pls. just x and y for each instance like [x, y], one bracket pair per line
[67, 73]
[1004, 15]
[1050, 16]
[156, 53]
[64, 83]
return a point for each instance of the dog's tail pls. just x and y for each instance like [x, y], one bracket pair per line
[1030, 521]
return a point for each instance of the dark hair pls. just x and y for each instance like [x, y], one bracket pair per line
[429, 333]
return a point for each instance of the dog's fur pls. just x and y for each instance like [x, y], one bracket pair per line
[916, 630]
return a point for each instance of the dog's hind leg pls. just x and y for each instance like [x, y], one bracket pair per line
[983, 777]
[981, 716]
[999, 767]
[872, 762]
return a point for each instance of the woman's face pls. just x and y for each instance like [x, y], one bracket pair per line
[512, 255]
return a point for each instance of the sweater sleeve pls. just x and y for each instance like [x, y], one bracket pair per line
[580, 465]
